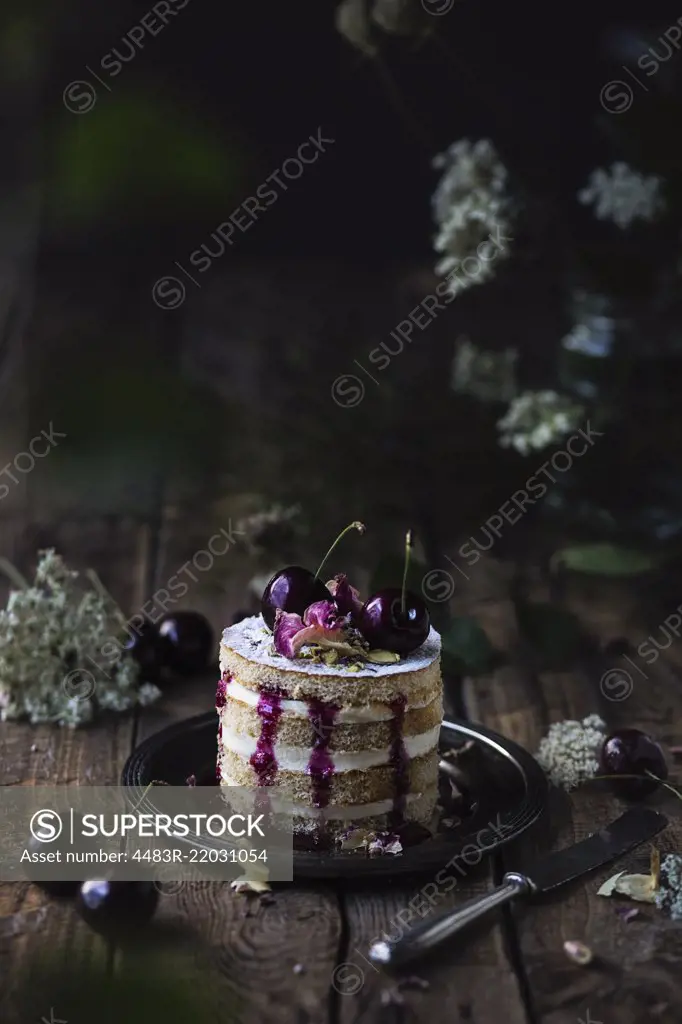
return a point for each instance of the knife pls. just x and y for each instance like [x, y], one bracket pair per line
[632, 828]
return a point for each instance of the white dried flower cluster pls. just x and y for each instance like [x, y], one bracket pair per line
[472, 211]
[488, 376]
[623, 195]
[588, 341]
[569, 751]
[51, 640]
[536, 419]
[669, 896]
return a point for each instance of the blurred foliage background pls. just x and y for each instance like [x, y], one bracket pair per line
[230, 393]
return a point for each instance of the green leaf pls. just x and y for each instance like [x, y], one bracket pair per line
[138, 153]
[466, 648]
[604, 560]
[555, 634]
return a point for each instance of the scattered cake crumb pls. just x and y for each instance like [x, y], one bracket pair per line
[412, 981]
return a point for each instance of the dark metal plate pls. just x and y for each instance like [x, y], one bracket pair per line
[507, 794]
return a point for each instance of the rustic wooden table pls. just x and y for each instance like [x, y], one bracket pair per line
[300, 957]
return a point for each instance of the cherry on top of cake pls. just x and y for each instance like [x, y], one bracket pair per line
[307, 616]
[252, 640]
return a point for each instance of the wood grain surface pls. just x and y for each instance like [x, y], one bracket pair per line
[300, 954]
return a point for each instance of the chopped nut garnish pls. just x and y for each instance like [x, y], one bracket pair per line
[249, 885]
[627, 913]
[354, 838]
[642, 888]
[578, 952]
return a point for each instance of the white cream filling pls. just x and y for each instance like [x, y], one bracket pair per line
[296, 759]
[299, 708]
[337, 812]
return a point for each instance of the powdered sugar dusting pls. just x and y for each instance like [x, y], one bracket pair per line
[253, 640]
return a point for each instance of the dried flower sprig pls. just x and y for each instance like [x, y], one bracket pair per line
[488, 376]
[623, 195]
[472, 210]
[568, 753]
[536, 419]
[669, 895]
[52, 635]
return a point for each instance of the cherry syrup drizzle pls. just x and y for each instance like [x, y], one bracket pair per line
[399, 761]
[263, 761]
[321, 766]
[220, 702]
[221, 692]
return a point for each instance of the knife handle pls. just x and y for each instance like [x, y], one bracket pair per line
[426, 936]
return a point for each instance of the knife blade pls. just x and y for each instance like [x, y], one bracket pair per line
[633, 827]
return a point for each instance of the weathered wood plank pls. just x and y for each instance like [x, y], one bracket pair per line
[628, 967]
[249, 947]
[36, 931]
[45, 756]
[272, 960]
[472, 978]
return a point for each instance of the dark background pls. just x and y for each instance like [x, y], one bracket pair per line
[262, 74]
[230, 393]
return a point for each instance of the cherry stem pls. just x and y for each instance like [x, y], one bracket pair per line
[408, 551]
[13, 574]
[360, 527]
[666, 785]
[105, 595]
[651, 775]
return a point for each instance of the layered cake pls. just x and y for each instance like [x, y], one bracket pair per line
[346, 731]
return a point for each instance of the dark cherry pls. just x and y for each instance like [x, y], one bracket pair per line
[146, 648]
[42, 874]
[384, 624]
[117, 908]
[59, 890]
[632, 752]
[186, 642]
[292, 589]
